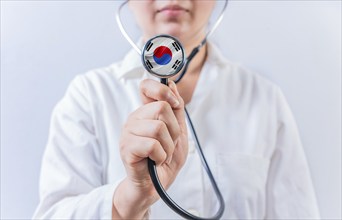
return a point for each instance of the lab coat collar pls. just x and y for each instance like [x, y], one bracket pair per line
[131, 64]
[214, 55]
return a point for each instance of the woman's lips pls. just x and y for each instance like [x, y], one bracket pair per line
[172, 11]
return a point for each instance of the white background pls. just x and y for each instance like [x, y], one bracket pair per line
[44, 44]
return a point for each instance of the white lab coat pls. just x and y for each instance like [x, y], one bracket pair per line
[244, 124]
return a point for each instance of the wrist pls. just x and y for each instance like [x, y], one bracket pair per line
[132, 202]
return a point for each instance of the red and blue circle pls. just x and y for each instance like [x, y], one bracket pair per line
[162, 55]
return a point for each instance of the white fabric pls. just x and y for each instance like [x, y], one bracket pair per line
[244, 124]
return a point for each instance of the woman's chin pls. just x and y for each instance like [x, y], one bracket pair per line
[173, 30]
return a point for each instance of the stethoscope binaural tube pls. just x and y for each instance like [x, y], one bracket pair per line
[166, 62]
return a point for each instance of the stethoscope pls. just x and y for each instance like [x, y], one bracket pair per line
[163, 56]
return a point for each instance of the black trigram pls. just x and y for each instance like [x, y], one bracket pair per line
[148, 64]
[176, 46]
[176, 64]
[149, 46]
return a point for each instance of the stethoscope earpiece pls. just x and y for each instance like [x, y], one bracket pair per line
[163, 56]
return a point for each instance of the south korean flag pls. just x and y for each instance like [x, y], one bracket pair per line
[163, 56]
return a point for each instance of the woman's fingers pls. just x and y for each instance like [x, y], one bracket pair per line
[162, 103]
[179, 111]
[134, 148]
[155, 129]
[152, 90]
[158, 111]
[181, 149]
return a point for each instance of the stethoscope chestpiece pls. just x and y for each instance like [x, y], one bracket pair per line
[163, 56]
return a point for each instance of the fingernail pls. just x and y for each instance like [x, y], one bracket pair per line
[174, 100]
[173, 86]
[176, 103]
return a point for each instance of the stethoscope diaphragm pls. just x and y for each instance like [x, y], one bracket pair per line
[163, 56]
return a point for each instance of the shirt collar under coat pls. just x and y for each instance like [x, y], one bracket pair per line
[131, 66]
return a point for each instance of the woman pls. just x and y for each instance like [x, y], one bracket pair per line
[112, 119]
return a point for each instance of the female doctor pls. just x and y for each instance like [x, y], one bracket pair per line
[112, 119]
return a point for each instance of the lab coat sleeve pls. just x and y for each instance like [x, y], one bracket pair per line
[290, 192]
[73, 166]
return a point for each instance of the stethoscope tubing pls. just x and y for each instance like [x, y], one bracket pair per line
[167, 199]
[151, 164]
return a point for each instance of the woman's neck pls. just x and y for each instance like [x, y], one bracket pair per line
[187, 85]
[197, 62]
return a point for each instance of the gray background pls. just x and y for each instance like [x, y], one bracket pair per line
[44, 44]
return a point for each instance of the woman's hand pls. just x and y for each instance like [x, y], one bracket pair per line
[156, 130]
